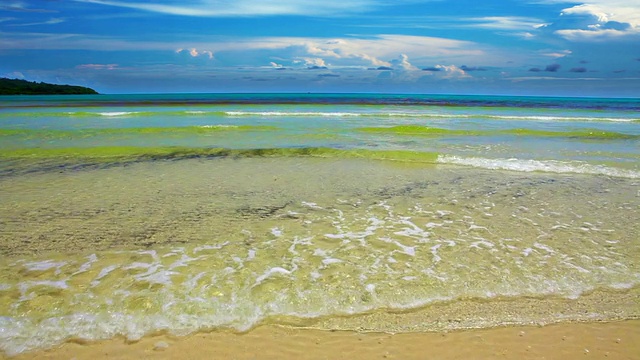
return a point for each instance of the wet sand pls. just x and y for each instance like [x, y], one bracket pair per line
[612, 340]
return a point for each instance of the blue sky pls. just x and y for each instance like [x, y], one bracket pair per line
[528, 47]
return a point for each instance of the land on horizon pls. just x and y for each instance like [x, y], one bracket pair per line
[24, 87]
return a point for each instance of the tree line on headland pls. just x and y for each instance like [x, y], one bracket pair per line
[23, 87]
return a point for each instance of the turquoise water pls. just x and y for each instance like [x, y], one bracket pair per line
[125, 215]
[543, 134]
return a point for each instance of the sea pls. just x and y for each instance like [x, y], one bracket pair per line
[123, 216]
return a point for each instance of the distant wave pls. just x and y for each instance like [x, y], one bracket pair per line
[337, 114]
[117, 113]
[425, 115]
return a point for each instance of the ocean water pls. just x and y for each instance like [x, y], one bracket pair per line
[127, 215]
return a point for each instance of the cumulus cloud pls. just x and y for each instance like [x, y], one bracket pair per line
[193, 52]
[402, 62]
[598, 20]
[365, 52]
[307, 51]
[310, 62]
[447, 71]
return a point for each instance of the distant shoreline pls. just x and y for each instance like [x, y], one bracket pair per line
[24, 87]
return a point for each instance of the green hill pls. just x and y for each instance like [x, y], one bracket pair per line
[23, 87]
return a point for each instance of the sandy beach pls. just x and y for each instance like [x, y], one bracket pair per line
[613, 340]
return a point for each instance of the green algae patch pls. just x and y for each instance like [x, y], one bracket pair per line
[418, 130]
[104, 153]
[585, 134]
[127, 153]
[84, 133]
[396, 155]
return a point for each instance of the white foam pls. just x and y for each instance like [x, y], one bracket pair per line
[423, 115]
[311, 205]
[560, 118]
[25, 286]
[277, 232]
[219, 126]
[87, 265]
[117, 113]
[272, 272]
[210, 247]
[105, 271]
[329, 261]
[45, 265]
[434, 252]
[282, 113]
[526, 165]
[476, 244]
[544, 247]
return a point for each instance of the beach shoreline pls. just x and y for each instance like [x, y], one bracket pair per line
[611, 340]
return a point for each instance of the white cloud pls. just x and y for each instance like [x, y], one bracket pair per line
[598, 20]
[556, 54]
[503, 22]
[525, 35]
[587, 9]
[403, 63]
[451, 71]
[224, 8]
[98, 66]
[193, 52]
[366, 51]
[14, 75]
[595, 35]
[363, 52]
[51, 21]
[310, 61]
[626, 11]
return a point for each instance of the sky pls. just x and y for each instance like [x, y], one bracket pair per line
[506, 47]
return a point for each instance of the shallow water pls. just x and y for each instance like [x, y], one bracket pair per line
[107, 240]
